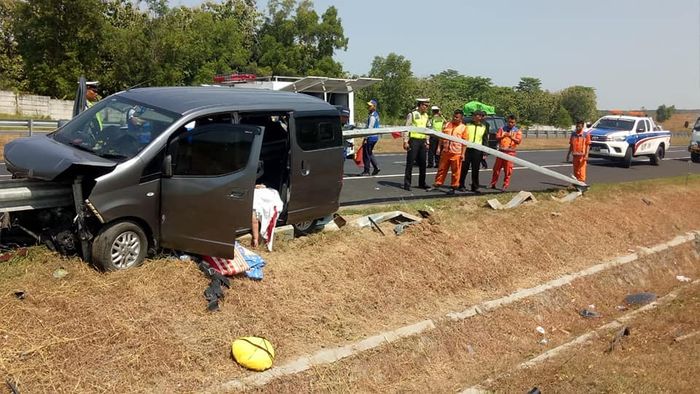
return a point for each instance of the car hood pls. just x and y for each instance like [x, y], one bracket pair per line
[42, 157]
[607, 132]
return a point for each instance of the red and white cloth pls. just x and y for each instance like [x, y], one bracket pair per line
[267, 206]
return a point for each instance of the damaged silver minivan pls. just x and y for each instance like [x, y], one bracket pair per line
[175, 167]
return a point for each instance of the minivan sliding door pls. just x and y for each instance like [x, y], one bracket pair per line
[207, 195]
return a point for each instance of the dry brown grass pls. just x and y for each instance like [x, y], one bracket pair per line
[462, 354]
[147, 329]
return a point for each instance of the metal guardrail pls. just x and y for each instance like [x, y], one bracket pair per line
[29, 126]
[23, 195]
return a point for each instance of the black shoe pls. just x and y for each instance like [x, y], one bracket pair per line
[451, 191]
[429, 188]
[376, 171]
[462, 189]
[366, 173]
[407, 188]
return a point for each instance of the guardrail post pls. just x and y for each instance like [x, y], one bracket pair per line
[31, 126]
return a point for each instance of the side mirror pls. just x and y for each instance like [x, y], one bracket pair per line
[63, 122]
[168, 166]
[588, 125]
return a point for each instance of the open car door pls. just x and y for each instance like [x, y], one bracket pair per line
[207, 190]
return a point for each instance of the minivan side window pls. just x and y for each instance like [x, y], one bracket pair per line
[315, 133]
[211, 150]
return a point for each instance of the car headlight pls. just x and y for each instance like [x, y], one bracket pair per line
[620, 138]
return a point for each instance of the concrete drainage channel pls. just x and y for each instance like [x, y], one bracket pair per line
[330, 356]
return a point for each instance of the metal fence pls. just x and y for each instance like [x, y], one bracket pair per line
[27, 127]
[30, 127]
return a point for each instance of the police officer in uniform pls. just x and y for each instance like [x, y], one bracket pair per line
[436, 122]
[416, 144]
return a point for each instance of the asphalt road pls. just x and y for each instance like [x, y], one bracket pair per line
[387, 186]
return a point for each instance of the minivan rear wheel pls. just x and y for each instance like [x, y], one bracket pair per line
[119, 246]
[305, 227]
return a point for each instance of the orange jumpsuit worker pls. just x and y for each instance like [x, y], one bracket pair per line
[579, 144]
[508, 138]
[451, 153]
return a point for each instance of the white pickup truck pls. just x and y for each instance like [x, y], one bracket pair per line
[694, 147]
[623, 137]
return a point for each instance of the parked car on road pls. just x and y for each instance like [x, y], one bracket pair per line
[623, 137]
[694, 146]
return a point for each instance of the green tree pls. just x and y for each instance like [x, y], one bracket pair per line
[529, 85]
[295, 41]
[11, 67]
[561, 118]
[395, 92]
[59, 40]
[580, 102]
[663, 113]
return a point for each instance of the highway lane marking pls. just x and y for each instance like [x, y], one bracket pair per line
[483, 169]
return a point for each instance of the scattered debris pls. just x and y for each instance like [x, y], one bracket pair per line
[254, 353]
[470, 350]
[395, 217]
[569, 197]
[534, 390]
[683, 278]
[621, 308]
[21, 252]
[687, 336]
[401, 227]
[243, 261]
[214, 292]
[640, 298]
[424, 214]
[588, 313]
[519, 198]
[185, 257]
[646, 201]
[339, 220]
[376, 226]
[541, 330]
[12, 386]
[543, 341]
[376, 188]
[617, 338]
[60, 273]
[20, 294]
[555, 214]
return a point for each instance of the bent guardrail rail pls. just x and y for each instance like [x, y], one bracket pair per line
[388, 130]
[24, 194]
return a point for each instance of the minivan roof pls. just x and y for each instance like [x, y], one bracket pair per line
[187, 99]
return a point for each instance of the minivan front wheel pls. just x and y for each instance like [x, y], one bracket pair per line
[119, 246]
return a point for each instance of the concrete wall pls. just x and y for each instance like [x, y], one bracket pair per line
[27, 104]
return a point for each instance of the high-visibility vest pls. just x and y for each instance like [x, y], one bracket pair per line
[476, 133]
[419, 120]
[438, 123]
[98, 116]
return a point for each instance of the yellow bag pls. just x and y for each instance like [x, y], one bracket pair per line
[253, 353]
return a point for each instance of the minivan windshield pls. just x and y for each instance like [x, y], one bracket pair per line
[115, 128]
[614, 124]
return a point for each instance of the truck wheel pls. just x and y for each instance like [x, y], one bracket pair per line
[119, 246]
[695, 157]
[658, 156]
[627, 161]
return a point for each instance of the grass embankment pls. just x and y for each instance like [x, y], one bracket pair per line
[146, 329]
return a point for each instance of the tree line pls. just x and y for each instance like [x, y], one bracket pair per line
[45, 45]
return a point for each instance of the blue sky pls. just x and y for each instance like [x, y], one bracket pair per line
[633, 52]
